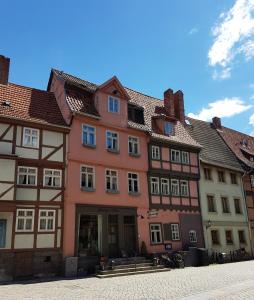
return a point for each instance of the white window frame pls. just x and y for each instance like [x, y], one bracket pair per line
[47, 218]
[165, 187]
[53, 177]
[111, 180]
[130, 141]
[86, 176]
[25, 218]
[185, 157]
[132, 182]
[155, 185]
[31, 135]
[175, 232]
[177, 153]
[155, 230]
[155, 151]
[193, 236]
[88, 138]
[184, 188]
[175, 183]
[112, 138]
[114, 99]
[27, 174]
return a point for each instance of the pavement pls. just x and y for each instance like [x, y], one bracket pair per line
[229, 281]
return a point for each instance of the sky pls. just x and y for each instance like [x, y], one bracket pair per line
[203, 47]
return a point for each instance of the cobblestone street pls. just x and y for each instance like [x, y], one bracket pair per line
[230, 281]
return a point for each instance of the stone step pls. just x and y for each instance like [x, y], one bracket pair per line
[130, 269]
[131, 265]
[162, 269]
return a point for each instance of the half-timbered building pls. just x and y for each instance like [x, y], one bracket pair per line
[32, 175]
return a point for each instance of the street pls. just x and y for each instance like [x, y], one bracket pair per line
[229, 281]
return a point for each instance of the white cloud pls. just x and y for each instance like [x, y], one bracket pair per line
[251, 119]
[232, 36]
[226, 107]
[193, 30]
[224, 74]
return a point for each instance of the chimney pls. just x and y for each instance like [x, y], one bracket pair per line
[169, 102]
[179, 106]
[4, 69]
[216, 123]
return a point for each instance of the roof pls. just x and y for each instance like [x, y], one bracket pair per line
[214, 149]
[30, 104]
[152, 107]
[239, 143]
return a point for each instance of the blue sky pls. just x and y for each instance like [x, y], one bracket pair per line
[203, 47]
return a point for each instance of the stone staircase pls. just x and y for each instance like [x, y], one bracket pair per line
[130, 266]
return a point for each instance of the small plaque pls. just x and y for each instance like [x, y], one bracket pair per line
[168, 247]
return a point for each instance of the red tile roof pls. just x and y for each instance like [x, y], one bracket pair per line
[30, 105]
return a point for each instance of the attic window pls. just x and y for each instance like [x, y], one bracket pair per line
[6, 103]
[168, 128]
[135, 114]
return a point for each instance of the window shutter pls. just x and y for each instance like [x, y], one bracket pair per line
[167, 231]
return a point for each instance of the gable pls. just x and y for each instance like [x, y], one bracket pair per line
[114, 87]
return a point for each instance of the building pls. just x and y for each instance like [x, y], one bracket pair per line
[32, 174]
[222, 199]
[242, 145]
[121, 168]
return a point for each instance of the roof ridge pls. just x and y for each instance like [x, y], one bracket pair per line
[30, 88]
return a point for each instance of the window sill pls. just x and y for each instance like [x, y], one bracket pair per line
[112, 192]
[113, 151]
[155, 244]
[89, 146]
[134, 154]
[134, 194]
[156, 159]
[86, 189]
[185, 196]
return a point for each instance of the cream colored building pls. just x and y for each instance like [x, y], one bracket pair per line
[223, 206]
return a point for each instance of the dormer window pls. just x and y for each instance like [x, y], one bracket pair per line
[113, 105]
[168, 128]
[135, 114]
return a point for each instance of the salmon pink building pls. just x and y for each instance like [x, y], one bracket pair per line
[132, 173]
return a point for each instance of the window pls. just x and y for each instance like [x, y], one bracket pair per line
[3, 225]
[175, 156]
[185, 158]
[208, 175]
[252, 180]
[225, 206]
[241, 236]
[211, 204]
[133, 145]
[25, 220]
[27, 176]
[88, 135]
[46, 220]
[229, 239]
[215, 237]
[168, 128]
[87, 177]
[155, 186]
[113, 104]
[135, 114]
[52, 178]
[112, 141]
[175, 232]
[31, 137]
[221, 176]
[133, 186]
[238, 209]
[164, 186]
[175, 187]
[156, 152]
[233, 178]
[155, 233]
[184, 186]
[193, 236]
[111, 180]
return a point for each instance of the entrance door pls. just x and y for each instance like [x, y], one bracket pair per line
[90, 228]
[113, 243]
[130, 234]
[2, 233]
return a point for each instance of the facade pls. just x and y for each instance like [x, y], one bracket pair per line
[110, 206]
[242, 145]
[224, 214]
[32, 174]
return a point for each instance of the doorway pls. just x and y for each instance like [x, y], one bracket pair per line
[129, 223]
